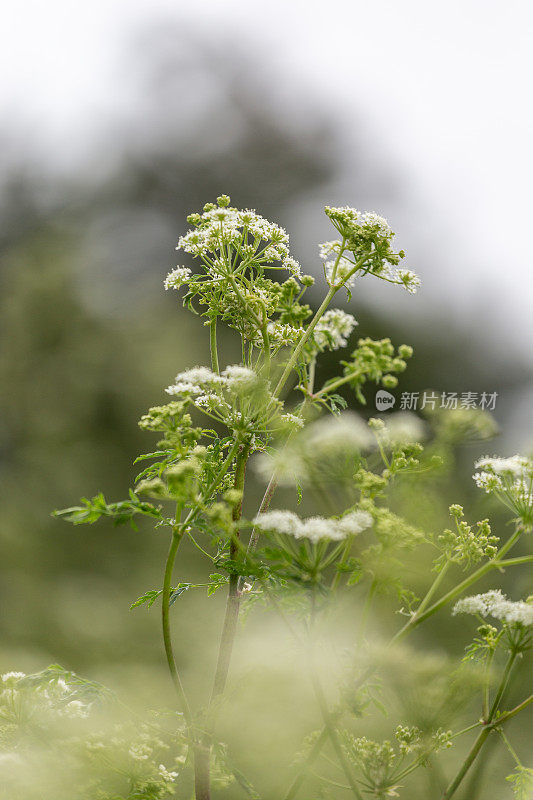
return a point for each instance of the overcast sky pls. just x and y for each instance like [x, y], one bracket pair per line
[442, 89]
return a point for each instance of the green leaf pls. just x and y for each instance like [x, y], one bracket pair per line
[148, 597]
[216, 581]
[178, 591]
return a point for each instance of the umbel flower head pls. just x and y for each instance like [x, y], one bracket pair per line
[496, 604]
[315, 529]
[233, 249]
[365, 248]
[332, 331]
[511, 480]
[246, 232]
[227, 397]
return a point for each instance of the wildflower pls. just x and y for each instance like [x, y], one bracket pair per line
[368, 237]
[355, 522]
[280, 521]
[462, 424]
[333, 329]
[292, 420]
[182, 387]
[465, 545]
[408, 279]
[248, 233]
[514, 467]
[238, 378]
[12, 676]
[325, 450]
[511, 479]
[193, 381]
[281, 334]
[496, 604]
[315, 529]
[166, 775]
[177, 277]
[349, 222]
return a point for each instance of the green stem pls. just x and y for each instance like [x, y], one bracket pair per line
[266, 347]
[213, 344]
[311, 758]
[469, 760]
[511, 749]
[494, 563]
[516, 710]
[503, 685]
[481, 739]
[343, 559]
[486, 686]
[265, 503]
[512, 562]
[303, 340]
[229, 628]
[335, 385]
[433, 588]
[165, 608]
[332, 734]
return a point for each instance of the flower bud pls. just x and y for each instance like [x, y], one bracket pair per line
[405, 351]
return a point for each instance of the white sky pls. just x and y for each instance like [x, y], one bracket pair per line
[444, 89]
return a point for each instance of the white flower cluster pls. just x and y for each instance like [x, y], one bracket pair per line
[509, 475]
[202, 381]
[166, 774]
[247, 232]
[409, 280]
[280, 334]
[52, 697]
[11, 677]
[352, 219]
[314, 528]
[338, 276]
[293, 420]
[496, 604]
[333, 329]
[177, 277]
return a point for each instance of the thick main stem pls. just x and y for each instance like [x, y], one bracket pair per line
[233, 602]
[229, 629]
[177, 536]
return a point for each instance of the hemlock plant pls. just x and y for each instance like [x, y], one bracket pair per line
[268, 409]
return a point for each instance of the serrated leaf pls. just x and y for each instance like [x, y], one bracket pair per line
[148, 597]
